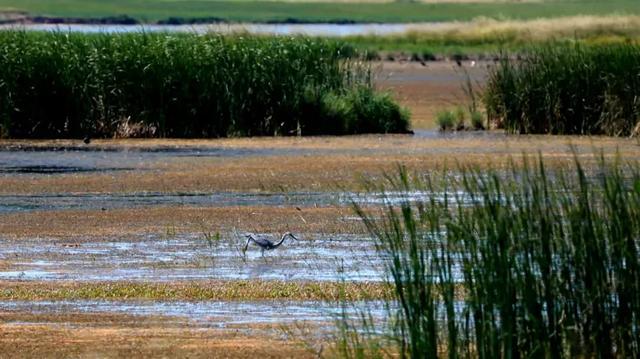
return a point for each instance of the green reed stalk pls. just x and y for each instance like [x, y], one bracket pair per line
[524, 263]
[567, 89]
[185, 85]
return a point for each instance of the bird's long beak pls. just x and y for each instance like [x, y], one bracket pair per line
[294, 237]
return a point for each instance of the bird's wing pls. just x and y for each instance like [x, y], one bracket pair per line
[263, 240]
[260, 239]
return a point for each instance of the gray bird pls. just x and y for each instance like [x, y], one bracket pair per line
[264, 243]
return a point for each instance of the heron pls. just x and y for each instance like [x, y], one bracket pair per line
[264, 243]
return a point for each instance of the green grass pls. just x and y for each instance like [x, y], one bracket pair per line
[426, 47]
[567, 89]
[57, 85]
[548, 261]
[262, 11]
[446, 120]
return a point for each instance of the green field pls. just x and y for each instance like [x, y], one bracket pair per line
[150, 11]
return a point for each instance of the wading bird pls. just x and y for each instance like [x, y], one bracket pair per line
[264, 243]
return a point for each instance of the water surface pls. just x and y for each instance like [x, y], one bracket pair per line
[262, 29]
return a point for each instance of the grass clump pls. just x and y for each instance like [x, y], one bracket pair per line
[548, 262]
[446, 120]
[477, 120]
[568, 89]
[56, 85]
[459, 119]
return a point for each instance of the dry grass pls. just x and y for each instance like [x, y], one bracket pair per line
[532, 30]
[121, 336]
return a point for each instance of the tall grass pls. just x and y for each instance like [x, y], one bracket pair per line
[528, 263]
[568, 89]
[70, 85]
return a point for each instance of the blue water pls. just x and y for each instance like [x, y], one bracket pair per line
[264, 29]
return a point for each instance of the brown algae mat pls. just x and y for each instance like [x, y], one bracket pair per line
[350, 159]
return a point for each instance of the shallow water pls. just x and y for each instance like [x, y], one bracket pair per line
[64, 201]
[97, 158]
[189, 257]
[90, 201]
[214, 314]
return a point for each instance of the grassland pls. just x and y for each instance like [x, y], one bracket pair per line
[489, 37]
[268, 11]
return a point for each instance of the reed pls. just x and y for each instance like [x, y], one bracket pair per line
[56, 85]
[567, 89]
[523, 263]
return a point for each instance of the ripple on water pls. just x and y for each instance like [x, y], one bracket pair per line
[189, 257]
[211, 313]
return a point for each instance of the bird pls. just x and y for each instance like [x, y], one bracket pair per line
[87, 139]
[264, 243]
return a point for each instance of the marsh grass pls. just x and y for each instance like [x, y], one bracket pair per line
[197, 290]
[446, 120]
[55, 85]
[548, 262]
[567, 89]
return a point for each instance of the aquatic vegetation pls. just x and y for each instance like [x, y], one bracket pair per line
[191, 291]
[567, 89]
[459, 119]
[55, 85]
[446, 120]
[548, 261]
[477, 120]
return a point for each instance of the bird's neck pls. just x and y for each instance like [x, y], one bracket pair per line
[280, 241]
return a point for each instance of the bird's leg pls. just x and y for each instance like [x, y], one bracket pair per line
[246, 246]
[262, 251]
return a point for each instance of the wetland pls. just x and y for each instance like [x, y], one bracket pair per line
[138, 242]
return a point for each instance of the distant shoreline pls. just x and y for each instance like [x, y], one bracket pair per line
[25, 19]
